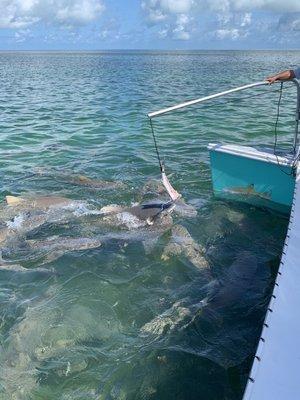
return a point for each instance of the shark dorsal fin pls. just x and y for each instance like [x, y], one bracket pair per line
[13, 200]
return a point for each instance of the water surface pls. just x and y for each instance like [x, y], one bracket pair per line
[118, 322]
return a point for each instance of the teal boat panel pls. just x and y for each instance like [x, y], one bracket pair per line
[255, 181]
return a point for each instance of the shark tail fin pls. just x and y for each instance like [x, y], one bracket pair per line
[13, 200]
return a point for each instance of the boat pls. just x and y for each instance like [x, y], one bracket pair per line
[261, 177]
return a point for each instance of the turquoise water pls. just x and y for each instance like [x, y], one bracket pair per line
[120, 321]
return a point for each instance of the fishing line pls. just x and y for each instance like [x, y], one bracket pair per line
[277, 118]
[165, 181]
[294, 164]
[156, 147]
[233, 101]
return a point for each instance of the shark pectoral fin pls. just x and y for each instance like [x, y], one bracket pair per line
[150, 221]
[13, 200]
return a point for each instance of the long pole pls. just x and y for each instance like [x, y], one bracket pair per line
[202, 99]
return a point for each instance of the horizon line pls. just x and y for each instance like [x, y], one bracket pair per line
[115, 50]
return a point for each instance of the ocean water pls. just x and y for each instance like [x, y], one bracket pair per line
[122, 320]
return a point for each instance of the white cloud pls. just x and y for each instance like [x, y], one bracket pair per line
[232, 34]
[246, 19]
[232, 25]
[250, 5]
[18, 14]
[181, 30]
[163, 33]
[176, 6]
[111, 30]
[160, 10]
[289, 22]
[174, 15]
[22, 35]
[220, 19]
[154, 13]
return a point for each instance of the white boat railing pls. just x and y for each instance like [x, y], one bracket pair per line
[237, 89]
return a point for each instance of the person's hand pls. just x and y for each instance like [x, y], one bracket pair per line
[272, 79]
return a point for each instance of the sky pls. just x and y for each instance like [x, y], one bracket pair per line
[149, 24]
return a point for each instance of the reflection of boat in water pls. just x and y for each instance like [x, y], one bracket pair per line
[263, 178]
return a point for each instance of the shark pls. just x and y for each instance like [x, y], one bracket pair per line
[56, 246]
[182, 243]
[83, 180]
[80, 179]
[17, 268]
[40, 203]
[14, 230]
[249, 191]
[154, 187]
[49, 329]
[205, 310]
[146, 213]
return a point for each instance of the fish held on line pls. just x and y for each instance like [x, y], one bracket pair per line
[147, 212]
[169, 188]
[155, 187]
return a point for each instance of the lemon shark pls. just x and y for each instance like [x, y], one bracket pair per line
[17, 268]
[146, 213]
[56, 246]
[80, 179]
[50, 328]
[41, 203]
[208, 310]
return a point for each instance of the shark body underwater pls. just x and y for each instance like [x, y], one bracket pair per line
[154, 216]
[26, 351]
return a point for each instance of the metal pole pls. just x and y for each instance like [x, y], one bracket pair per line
[206, 98]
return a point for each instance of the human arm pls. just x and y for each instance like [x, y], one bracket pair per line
[282, 76]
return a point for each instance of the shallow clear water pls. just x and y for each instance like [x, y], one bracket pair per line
[118, 321]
